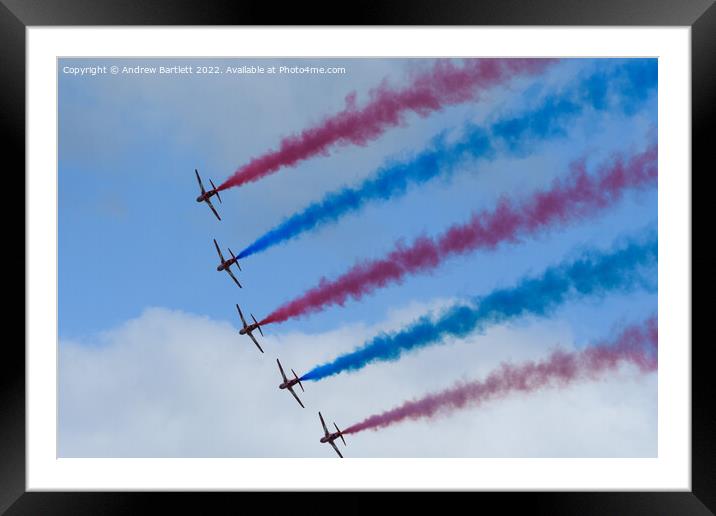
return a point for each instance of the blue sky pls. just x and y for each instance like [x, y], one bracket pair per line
[131, 236]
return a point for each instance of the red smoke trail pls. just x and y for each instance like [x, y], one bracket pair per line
[578, 195]
[636, 344]
[445, 84]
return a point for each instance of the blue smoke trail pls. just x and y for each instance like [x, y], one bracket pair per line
[630, 265]
[623, 87]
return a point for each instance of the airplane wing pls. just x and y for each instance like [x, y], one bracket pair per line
[281, 369]
[241, 315]
[199, 180]
[228, 271]
[323, 423]
[213, 209]
[295, 396]
[255, 342]
[219, 251]
[336, 448]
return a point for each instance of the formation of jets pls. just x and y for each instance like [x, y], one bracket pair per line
[248, 329]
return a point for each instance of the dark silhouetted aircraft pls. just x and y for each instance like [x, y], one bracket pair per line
[330, 437]
[225, 265]
[288, 384]
[205, 196]
[248, 328]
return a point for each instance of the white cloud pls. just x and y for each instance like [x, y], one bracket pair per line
[172, 384]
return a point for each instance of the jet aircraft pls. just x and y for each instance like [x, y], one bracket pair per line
[206, 196]
[225, 265]
[330, 437]
[288, 384]
[249, 328]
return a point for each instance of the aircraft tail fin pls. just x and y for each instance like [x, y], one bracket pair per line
[340, 433]
[257, 325]
[234, 257]
[217, 191]
[299, 380]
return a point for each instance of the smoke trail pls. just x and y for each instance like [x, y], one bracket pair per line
[443, 85]
[592, 273]
[576, 196]
[622, 87]
[636, 345]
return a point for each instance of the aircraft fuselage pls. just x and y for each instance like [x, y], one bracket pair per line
[205, 196]
[248, 329]
[330, 437]
[224, 265]
[286, 385]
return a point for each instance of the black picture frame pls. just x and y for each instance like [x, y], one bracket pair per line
[17, 15]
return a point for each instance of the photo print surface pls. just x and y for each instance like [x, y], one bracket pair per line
[442, 257]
